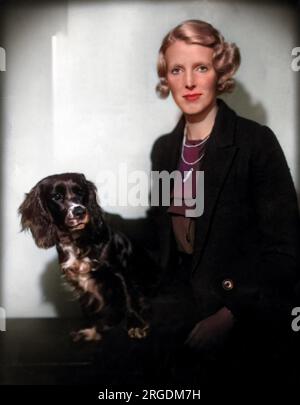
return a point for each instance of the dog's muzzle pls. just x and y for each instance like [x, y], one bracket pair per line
[79, 211]
[77, 216]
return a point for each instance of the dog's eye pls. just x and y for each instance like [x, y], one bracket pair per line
[57, 197]
[78, 192]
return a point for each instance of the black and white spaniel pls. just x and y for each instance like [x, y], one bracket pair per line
[101, 265]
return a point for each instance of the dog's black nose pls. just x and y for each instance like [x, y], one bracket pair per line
[79, 211]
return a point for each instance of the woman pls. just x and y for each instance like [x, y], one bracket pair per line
[240, 257]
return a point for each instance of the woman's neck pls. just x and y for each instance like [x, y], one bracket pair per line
[200, 126]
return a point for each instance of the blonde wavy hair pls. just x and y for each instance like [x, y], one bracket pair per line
[226, 56]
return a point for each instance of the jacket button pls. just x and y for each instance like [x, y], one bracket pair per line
[227, 284]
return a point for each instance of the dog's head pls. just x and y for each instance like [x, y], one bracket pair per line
[64, 203]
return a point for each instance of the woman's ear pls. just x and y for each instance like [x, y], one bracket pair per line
[36, 217]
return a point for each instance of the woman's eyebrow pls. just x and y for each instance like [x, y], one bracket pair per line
[202, 63]
[198, 63]
[173, 65]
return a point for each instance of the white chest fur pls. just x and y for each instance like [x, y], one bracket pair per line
[77, 270]
[76, 267]
[74, 260]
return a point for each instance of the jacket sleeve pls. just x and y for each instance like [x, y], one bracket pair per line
[277, 218]
[276, 207]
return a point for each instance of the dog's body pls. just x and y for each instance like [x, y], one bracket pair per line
[99, 264]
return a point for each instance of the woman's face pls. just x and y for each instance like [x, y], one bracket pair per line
[191, 77]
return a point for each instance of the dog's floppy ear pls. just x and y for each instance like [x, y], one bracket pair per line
[93, 206]
[36, 217]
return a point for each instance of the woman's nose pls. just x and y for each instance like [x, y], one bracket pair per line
[189, 81]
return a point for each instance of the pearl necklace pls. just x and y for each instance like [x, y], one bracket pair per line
[196, 144]
[191, 146]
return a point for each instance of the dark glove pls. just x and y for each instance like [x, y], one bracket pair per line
[211, 331]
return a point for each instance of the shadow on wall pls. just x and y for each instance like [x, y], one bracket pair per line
[240, 101]
[57, 294]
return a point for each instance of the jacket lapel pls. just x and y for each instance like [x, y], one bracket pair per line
[220, 153]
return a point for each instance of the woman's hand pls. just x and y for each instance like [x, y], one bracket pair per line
[211, 331]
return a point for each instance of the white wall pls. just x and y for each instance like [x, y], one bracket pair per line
[79, 96]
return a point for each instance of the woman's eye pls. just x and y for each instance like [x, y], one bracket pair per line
[175, 71]
[202, 68]
[57, 197]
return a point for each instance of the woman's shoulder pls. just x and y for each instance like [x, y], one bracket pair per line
[163, 142]
[246, 131]
[160, 148]
[252, 132]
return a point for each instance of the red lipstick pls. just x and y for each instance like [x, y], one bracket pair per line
[192, 96]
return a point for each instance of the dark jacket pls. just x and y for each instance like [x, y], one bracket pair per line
[247, 240]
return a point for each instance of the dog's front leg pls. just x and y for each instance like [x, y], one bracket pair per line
[89, 335]
[138, 332]
[136, 326]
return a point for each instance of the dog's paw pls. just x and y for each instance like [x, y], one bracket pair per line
[88, 335]
[139, 333]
